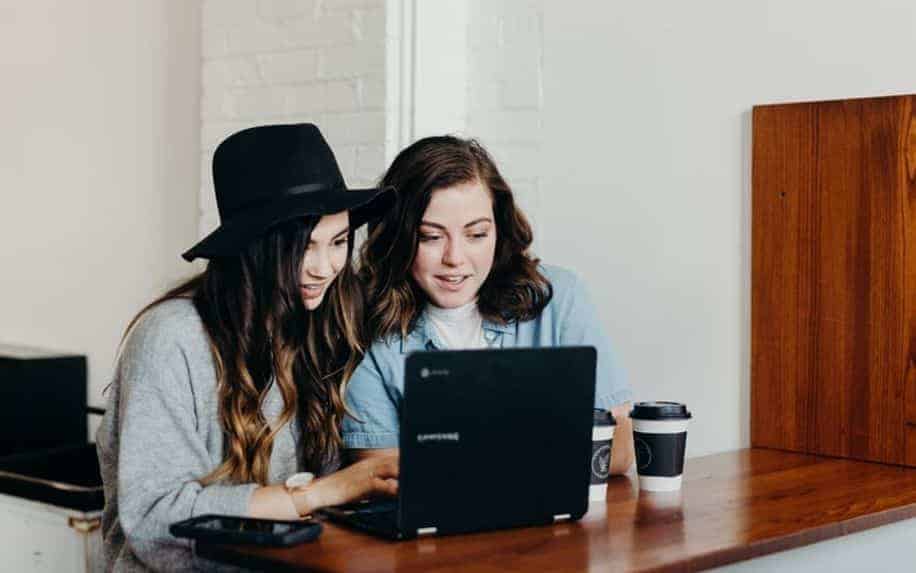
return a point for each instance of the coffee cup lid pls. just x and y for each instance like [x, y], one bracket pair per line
[603, 418]
[660, 411]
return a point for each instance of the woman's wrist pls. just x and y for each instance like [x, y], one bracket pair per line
[297, 486]
[272, 502]
[306, 499]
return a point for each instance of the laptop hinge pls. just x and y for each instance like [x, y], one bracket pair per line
[426, 531]
[561, 517]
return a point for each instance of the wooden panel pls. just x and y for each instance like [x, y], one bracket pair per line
[886, 320]
[734, 506]
[910, 288]
[832, 286]
[837, 275]
[783, 182]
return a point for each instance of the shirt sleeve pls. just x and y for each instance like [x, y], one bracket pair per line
[580, 325]
[161, 455]
[372, 401]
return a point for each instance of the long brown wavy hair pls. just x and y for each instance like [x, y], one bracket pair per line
[514, 290]
[261, 332]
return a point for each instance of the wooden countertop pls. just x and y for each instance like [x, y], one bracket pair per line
[733, 506]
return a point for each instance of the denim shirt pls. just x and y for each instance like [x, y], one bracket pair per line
[373, 394]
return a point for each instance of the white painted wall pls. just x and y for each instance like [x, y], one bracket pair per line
[441, 75]
[98, 167]
[646, 167]
[505, 94]
[625, 132]
[477, 72]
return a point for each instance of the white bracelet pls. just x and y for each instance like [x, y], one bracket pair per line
[299, 480]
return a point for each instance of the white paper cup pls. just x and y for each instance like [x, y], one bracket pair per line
[602, 440]
[660, 439]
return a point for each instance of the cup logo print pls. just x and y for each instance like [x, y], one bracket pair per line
[643, 454]
[601, 462]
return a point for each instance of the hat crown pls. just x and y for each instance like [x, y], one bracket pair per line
[269, 174]
[258, 165]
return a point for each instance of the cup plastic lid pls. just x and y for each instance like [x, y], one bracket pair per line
[603, 418]
[660, 410]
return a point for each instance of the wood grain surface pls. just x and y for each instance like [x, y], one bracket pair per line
[732, 507]
[833, 316]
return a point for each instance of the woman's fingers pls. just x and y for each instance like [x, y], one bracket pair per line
[385, 474]
[386, 487]
[387, 467]
[371, 476]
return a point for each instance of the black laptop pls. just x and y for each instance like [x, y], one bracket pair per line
[490, 439]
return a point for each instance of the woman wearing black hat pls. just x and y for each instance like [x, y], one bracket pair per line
[230, 383]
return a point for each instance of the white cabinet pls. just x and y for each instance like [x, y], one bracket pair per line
[36, 536]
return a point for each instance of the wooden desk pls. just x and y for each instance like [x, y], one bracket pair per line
[733, 506]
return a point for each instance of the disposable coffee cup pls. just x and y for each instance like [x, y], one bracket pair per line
[603, 424]
[660, 438]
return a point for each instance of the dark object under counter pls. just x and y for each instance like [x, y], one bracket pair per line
[66, 477]
[42, 399]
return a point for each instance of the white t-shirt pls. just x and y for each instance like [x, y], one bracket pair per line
[457, 328]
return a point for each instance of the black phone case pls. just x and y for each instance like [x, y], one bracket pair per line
[301, 532]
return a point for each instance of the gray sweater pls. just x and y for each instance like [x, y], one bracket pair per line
[160, 434]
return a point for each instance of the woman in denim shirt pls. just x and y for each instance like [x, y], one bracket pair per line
[449, 268]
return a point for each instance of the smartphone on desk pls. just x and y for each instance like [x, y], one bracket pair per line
[232, 529]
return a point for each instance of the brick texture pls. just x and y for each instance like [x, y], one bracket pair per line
[505, 98]
[287, 61]
[272, 61]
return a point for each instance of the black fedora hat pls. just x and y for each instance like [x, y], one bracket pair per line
[269, 174]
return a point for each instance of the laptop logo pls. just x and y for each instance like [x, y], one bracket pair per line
[439, 437]
[426, 372]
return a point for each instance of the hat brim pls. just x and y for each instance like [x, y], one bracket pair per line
[232, 236]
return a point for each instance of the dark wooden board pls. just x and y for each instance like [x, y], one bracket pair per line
[833, 301]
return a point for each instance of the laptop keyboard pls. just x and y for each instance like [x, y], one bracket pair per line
[378, 519]
[374, 516]
[373, 506]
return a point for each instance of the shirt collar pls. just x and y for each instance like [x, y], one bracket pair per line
[419, 337]
[422, 337]
[507, 328]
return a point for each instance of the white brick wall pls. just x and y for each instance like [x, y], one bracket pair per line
[505, 98]
[324, 61]
[284, 61]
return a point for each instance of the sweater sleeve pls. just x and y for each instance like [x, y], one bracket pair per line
[161, 453]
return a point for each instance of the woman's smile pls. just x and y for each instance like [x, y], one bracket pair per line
[313, 290]
[453, 283]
